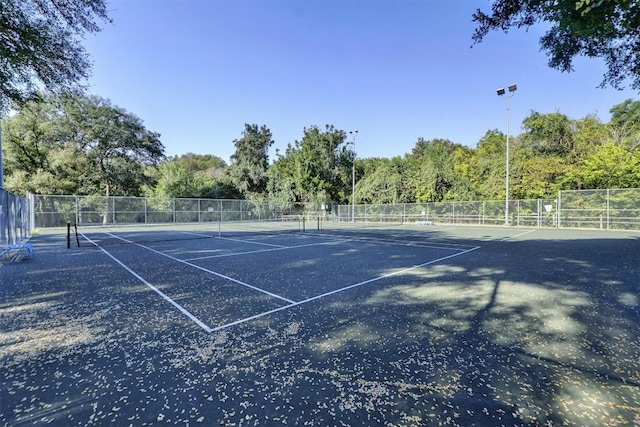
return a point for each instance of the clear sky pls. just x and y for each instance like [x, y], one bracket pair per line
[197, 71]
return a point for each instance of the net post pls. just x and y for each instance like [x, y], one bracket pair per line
[68, 235]
[75, 227]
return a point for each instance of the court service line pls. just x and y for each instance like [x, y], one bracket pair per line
[326, 294]
[257, 251]
[156, 290]
[205, 269]
[252, 242]
[235, 240]
[410, 243]
[518, 235]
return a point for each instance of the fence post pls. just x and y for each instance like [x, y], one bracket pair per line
[32, 212]
[607, 208]
[4, 216]
[404, 212]
[453, 212]
[558, 209]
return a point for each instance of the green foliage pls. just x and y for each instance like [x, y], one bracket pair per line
[249, 163]
[115, 142]
[536, 177]
[193, 176]
[548, 134]
[316, 169]
[609, 30]
[438, 173]
[487, 166]
[625, 124]
[40, 45]
[202, 164]
[589, 134]
[70, 144]
[85, 145]
[385, 182]
[611, 166]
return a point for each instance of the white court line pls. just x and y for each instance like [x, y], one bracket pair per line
[234, 240]
[375, 279]
[251, 241]
[257, 251]
[518, 235]
[205, 269]
[391, 242]
[158, 291]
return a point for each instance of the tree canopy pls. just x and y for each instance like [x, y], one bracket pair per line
[70, 144]
[85, 145]
[605, 29]
[251, 159]
[40, 45]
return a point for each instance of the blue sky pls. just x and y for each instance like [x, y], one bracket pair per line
[197, 71]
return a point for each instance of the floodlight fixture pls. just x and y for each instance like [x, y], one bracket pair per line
[501, 91]
[512, 88]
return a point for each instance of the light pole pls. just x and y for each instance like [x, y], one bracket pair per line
[353, 177]
[502, 93]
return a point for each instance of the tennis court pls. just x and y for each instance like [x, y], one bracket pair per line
[404, 325]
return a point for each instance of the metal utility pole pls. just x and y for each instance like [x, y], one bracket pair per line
[502, 93]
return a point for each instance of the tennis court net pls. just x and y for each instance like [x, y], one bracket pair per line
[110, 234]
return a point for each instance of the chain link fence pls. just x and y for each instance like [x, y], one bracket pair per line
[15, 218]
[612, 209]
[598, 209]
[530, 213]
[57, 211]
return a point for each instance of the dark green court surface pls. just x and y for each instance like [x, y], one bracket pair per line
[404, 326]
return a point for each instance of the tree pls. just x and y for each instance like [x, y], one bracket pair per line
[604, 29]
[40, 45]
[315, 169]
[385, 182]
[436, 176]
[549, 134]
[202, 164]
[37, 160]
[115, 142]
[624, 126]
[55, 143]
[589, 134]
[536, 177]
[194, 176]
[611, 166]
[281, 185]
[488, 165]
[323, 165]
[249, 163]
